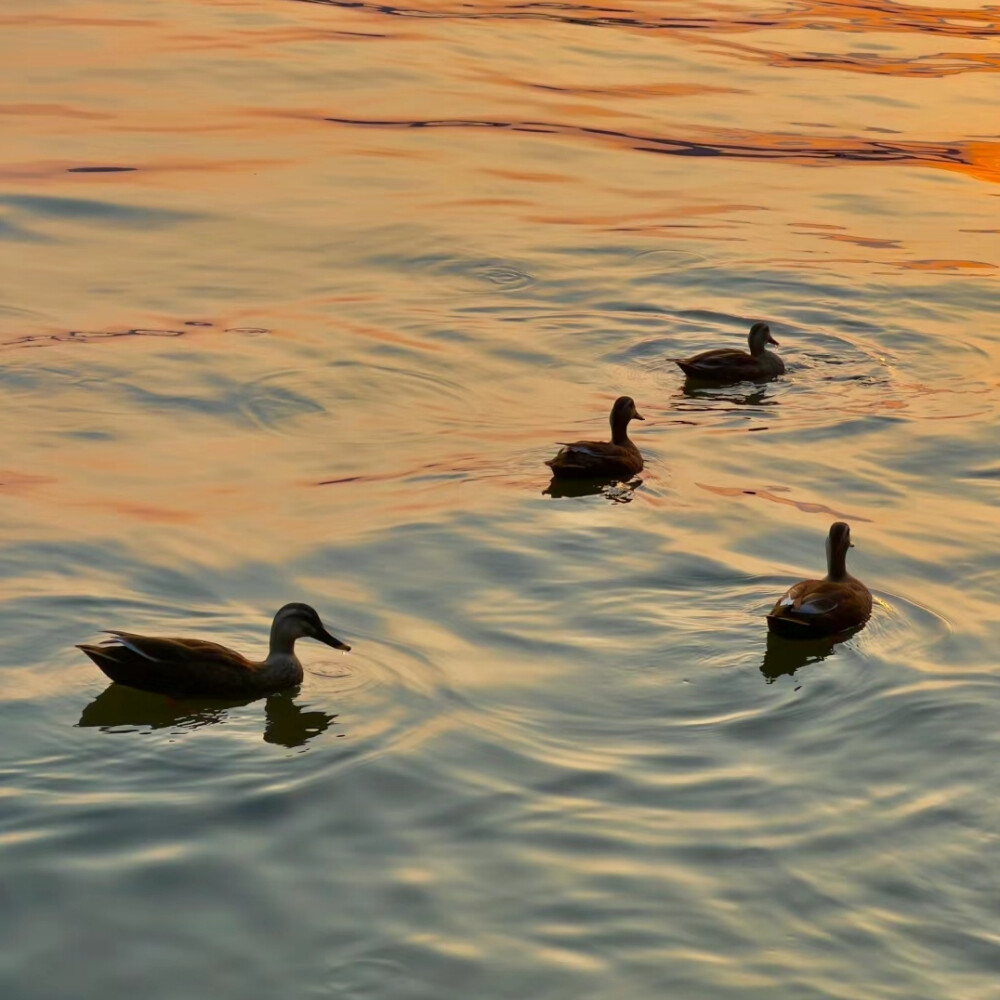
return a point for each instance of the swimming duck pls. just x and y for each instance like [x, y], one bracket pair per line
[727, 364]
[814, 608]
[596, 459]
[192, 668]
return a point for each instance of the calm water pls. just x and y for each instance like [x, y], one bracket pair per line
[296, 299]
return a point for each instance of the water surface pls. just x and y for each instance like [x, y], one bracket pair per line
[298, 297]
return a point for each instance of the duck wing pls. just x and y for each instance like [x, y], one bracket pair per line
[177, 667]
[820, 607]
[723, 361]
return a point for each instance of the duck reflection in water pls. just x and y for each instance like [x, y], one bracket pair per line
[610, 489]
[120, 708]
[785, 656]
[741, 394]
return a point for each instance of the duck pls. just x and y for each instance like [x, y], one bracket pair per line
[812, 609]
[197, 668]
[618, 458]
[727, 364]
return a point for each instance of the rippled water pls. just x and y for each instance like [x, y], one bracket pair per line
[297, 298]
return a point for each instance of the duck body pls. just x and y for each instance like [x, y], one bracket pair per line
[811, 609]
[197, 668]
[596, 459]
[618, 458]
[727, 364]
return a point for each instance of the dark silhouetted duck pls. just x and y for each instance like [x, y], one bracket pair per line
[618, 457]
[727, 364]
[196, 668]
[815, 608]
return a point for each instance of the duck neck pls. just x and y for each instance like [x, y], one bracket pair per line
[282, 641]
[619, 430]
[836, 562]
[279, 670]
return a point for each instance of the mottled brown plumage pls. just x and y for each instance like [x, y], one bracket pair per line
[727, 364]
[196, 668]
[617, 458]
[837, 603]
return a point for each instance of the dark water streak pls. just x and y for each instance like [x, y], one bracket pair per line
[882, 15]
[741, 145]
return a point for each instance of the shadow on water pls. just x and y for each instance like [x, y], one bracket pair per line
[123, 709]
[288, 725]
[611, 489]
[785, 656]
[740, 393]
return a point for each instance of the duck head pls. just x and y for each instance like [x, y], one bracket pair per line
[299, 621]
[837, 544]
[622, 413]
[759, 337]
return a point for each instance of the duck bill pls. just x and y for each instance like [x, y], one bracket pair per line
[771, 340]
[638, 416]
[332, 640]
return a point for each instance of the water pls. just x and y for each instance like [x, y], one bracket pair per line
[298, 297]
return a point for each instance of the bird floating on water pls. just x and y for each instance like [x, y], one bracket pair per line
[193, 668]
[837, 603]
[618, 457]
[727, 364]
